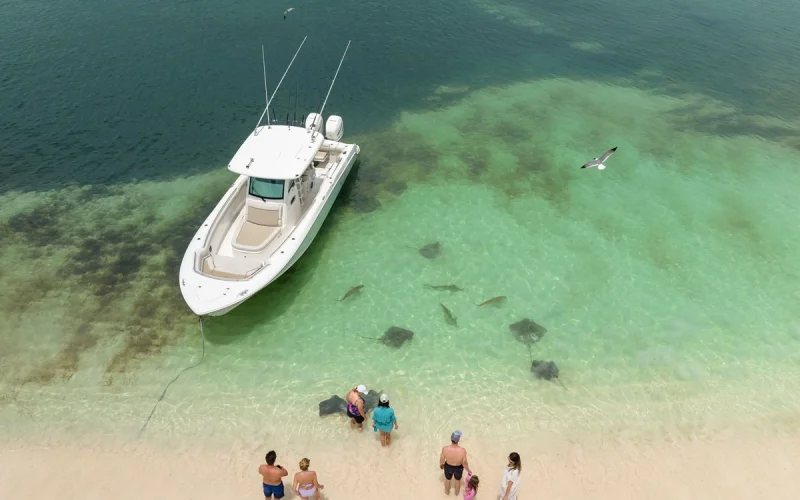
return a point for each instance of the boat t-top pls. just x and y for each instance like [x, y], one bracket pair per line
[289, 177]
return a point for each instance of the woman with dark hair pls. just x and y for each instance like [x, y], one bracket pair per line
[510, 482]
[383, 420]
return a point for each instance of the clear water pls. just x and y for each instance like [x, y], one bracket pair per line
[667, 282]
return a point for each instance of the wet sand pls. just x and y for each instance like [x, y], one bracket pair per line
[730, 467]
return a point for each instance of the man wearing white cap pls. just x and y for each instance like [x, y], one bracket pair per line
[453, 461]
[355, 406]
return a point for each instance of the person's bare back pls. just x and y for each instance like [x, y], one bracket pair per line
[454, 454]
[272, 474]
[305, 478]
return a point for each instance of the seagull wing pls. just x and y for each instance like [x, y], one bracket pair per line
[607, 154]
[592, 163]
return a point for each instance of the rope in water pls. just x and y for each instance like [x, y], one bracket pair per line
[202, 357]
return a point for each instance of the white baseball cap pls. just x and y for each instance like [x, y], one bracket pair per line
[384, 398]
[362, 389]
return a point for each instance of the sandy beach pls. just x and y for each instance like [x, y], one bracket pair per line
[723, 467]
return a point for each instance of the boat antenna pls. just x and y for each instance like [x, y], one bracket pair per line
[296, 92]
[266, 94]
[255, 132]
[331, 87]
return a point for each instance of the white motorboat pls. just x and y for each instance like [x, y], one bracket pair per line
[289, 177]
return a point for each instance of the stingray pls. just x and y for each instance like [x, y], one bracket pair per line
[546, 370]
[394, 337]
[431, 250]
[336, 404]
[528, 331]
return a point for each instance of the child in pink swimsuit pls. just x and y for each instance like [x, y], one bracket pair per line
[470, 486]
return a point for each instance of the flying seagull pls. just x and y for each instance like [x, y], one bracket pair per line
[287, 11]
[598, 162]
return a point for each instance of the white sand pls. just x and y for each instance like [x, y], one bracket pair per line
[725, 467]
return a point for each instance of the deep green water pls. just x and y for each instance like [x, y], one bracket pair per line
[668, 282]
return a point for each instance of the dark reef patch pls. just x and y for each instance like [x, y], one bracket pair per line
[359, 192]
[126, 273]
[41, 226]
[65, 363]
[363, 203]
[25, 295]
[477, 159]
[396, 187]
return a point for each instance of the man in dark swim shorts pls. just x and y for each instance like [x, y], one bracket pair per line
[272, 476]
[451, 471]
[453, 461]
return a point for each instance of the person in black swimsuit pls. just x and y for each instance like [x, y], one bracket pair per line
[453, 460]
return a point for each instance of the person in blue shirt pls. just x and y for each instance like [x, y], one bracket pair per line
[383, 420]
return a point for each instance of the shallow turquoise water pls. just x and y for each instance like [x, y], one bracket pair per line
[667, 282]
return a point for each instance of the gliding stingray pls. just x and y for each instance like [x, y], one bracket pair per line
[431, 250]
[394, 337]
[336, 404]
[527, 331]
[546, 370]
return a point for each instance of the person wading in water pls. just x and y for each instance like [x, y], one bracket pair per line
[355, 406]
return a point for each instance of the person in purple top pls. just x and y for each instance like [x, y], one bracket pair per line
[355, 406]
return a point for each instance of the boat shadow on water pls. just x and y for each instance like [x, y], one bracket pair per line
[275, 300]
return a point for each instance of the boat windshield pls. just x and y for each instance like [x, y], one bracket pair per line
[267, 189]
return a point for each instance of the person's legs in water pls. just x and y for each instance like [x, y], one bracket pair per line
[356, 420]
[457, 476]
[454, 473]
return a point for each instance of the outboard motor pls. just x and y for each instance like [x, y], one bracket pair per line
[314, 122]
[334, 128]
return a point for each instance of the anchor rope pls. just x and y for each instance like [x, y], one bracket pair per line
[164, 393]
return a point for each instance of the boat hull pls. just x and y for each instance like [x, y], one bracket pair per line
[240, 290]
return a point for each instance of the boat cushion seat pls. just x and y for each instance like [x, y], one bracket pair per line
[259, 227]
[229, 267]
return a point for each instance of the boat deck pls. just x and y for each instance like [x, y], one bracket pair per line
[226, 248]
[230, 258]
